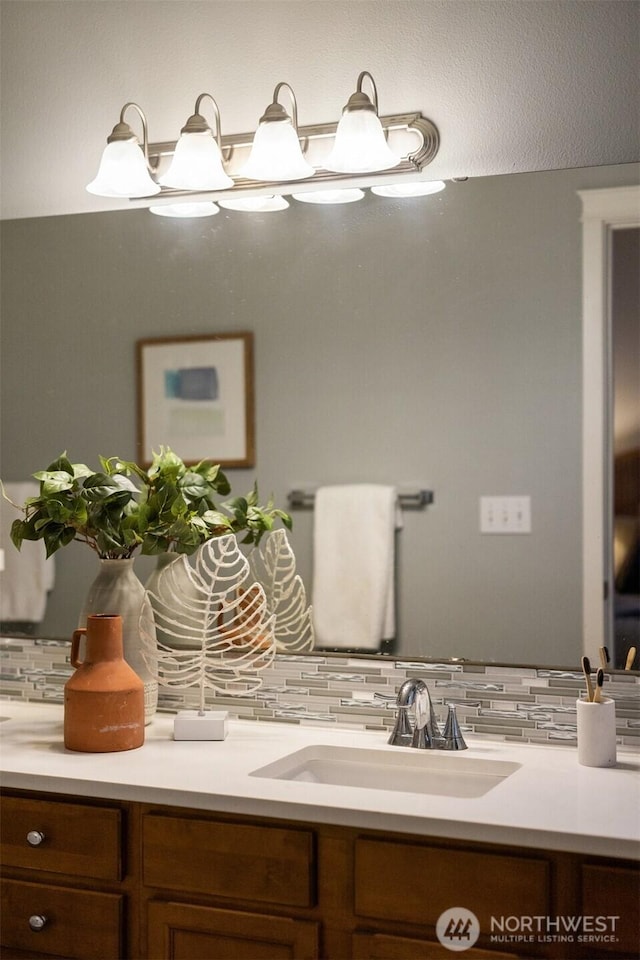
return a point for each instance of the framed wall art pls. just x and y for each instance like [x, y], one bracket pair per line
[195, 395]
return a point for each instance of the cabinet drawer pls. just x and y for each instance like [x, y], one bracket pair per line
[77, 923]
[77, 839]
[612, 892]
[267, 864]
[416, 883]
[181, 931]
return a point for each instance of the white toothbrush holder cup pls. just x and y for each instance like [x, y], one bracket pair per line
[596, 733]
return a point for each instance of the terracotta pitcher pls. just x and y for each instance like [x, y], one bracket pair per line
[104, 698]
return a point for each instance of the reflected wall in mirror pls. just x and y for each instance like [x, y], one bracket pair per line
[431, 343]
[625, 499]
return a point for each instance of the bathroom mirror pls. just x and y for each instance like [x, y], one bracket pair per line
[429, 343]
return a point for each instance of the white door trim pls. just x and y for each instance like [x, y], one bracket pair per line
[602, 212]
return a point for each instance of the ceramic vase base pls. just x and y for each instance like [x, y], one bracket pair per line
[111, 727]
[192, 725]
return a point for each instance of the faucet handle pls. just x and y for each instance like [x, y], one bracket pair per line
[401, 734]
[452, 737]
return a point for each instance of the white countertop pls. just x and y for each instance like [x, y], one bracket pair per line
[550, 802]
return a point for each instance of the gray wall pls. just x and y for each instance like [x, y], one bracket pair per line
[433, 342]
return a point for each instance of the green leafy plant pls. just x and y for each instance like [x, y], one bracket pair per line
[123, 508]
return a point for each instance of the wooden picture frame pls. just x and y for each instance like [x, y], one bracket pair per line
[195, 395]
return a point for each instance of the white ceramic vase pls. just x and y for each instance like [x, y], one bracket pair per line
[117, 590]
[186, 590]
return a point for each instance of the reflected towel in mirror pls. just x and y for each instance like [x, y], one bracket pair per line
[354, 565]
[27, 576]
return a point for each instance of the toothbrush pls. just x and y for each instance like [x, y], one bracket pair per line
[597, 697]
[604, 657]
[586, 669]
[630, 658]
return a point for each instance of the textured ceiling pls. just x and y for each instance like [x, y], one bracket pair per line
[512, 85]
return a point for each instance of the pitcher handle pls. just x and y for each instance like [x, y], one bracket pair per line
[75, 646]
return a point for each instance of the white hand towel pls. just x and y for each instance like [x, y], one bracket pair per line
[354, 565]
[28, 575]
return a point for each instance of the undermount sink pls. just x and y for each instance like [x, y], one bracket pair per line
[438, 773]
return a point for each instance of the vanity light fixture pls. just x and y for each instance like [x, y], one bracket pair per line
[276, 154]
[262, 167]
[124, 169]
[418, 188]
[197, 161]
[330, 196]
[360, 145]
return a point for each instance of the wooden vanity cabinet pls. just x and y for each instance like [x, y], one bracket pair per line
[151, 882]
[237, 888]
[65, 889]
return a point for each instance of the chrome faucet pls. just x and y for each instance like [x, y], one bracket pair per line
[402, 733]
[425, 733]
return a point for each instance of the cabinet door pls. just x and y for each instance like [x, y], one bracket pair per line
[612, 894]
[70, 923]
[384, 946]
[182, 931]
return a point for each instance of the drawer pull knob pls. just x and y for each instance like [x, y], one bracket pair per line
[37, 922]
[35, 838]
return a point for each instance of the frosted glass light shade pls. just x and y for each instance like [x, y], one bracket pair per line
[418, 188]
[267, 204]
[196, 164]
[360, 145]
[123, 172]
[185, 210]
[330, 196]
[276, 154]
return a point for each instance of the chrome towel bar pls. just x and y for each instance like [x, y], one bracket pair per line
[414, 500]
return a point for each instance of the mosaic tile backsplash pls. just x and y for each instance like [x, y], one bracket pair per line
[495, 702]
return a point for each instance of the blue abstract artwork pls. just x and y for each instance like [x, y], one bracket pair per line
[191, 383]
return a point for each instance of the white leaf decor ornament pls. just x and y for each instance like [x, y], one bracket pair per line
[222, 622]
[273, 564]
